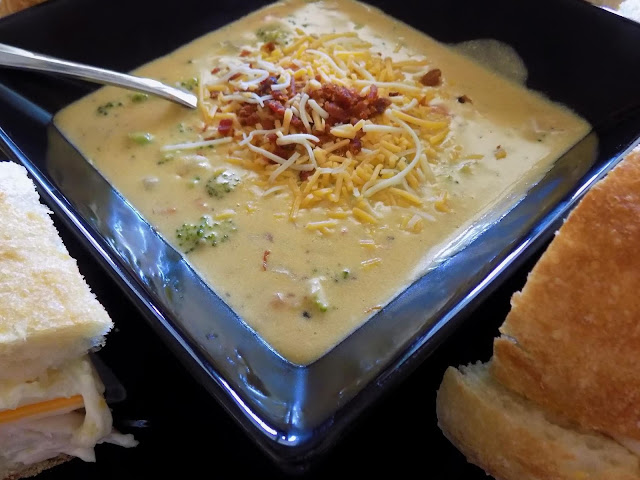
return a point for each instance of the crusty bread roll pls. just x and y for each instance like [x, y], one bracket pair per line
[48, 314]
[512, 438]
[561, 397]
[571, 341]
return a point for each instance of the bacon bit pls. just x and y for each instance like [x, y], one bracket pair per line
[276, 107]
[272, 137]
[165, 211]
[346, 105]
[248, 115]
[284, 151]
[336, 113]
[395, 94]
[324, 138]
[305, 174]
[233, 77]
[355, 146]
[279, 109]
[215, 70]
[267, 123]
[245, 53]
[432, 78]
[381, 105]
[225, 127]
[373, 93]
[265, 85]
[347, 97]
[265, 257]
[464, 99]
[247, 109]
[267, 82]
[269, 47]
[280, 95]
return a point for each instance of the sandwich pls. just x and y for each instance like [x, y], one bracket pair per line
[560, 398]
[51, 399]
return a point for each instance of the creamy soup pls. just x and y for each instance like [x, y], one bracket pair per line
[335, 156]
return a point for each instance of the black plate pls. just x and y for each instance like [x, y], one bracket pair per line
[576, 54]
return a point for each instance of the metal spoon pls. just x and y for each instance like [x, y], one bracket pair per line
[24, 59]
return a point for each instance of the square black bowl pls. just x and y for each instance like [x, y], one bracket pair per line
[576, 54]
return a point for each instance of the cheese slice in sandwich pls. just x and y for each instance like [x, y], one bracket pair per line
[51, 398]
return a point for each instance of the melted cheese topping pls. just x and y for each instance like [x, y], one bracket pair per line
[306, 220]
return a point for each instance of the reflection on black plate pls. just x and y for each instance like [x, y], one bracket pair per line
[295, 412]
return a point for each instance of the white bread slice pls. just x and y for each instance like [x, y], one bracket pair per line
[48, 314]
[511, 438]
[571, 341]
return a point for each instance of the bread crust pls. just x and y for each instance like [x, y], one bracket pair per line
[37, 468]
[7, 7]
[511, 439]
[571, 341]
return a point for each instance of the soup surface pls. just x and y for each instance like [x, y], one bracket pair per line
[335, 156]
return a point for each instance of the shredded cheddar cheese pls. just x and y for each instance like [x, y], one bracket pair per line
[295, 126]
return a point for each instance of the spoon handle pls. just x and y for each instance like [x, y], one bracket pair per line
[24, 59]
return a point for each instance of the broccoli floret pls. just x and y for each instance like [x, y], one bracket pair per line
[141, 138]
[165, 158]
[208, 232]
[222, 183]
[189, 83]
[318, 295]
[106, 107]
[272, 33]
[139, 97]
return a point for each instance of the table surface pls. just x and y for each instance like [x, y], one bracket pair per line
[183, 431]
